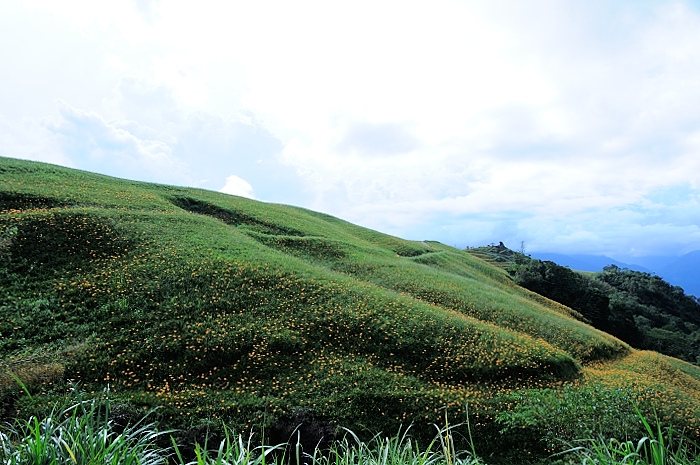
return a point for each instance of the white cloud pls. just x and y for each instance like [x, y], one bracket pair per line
[31, 140]
[91, 141]
[238, 186]
[549, 121]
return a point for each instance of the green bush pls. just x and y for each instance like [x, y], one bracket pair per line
[553, 417]
[659, 446]
[7, 237]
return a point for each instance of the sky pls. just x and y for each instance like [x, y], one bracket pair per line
[561, 126]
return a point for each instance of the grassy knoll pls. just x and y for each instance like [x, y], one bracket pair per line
[216, 308]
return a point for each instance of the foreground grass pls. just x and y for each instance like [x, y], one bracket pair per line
[659, 447]
[83, 431]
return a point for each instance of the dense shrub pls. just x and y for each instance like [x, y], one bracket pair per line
[639, 308]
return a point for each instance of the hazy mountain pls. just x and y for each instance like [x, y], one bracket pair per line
[683, 271]
[584, 262]
[652, 262]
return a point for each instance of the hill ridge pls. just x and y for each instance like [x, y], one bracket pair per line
[251, 312]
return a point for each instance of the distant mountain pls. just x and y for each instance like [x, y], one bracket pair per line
[683, 271]
[653, 262]
[584, 262]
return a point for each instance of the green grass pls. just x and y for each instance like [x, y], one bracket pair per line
[223, 310]
[660, 446]
[85, 431]
[80, 431]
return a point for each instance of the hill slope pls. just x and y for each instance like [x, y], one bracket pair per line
[216, 307]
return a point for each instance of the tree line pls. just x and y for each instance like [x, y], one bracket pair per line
[637, 307]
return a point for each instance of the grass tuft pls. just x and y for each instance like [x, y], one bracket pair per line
[81, 432]
[658, 447]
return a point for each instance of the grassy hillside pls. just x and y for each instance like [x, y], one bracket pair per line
[219, 308]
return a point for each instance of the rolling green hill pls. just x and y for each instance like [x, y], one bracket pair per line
[219, 308]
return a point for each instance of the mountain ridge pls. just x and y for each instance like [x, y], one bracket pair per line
[683, 271]
[585, 262]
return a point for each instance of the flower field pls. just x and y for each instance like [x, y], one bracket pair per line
[222, 310]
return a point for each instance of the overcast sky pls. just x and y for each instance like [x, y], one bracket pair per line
[573, 126]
